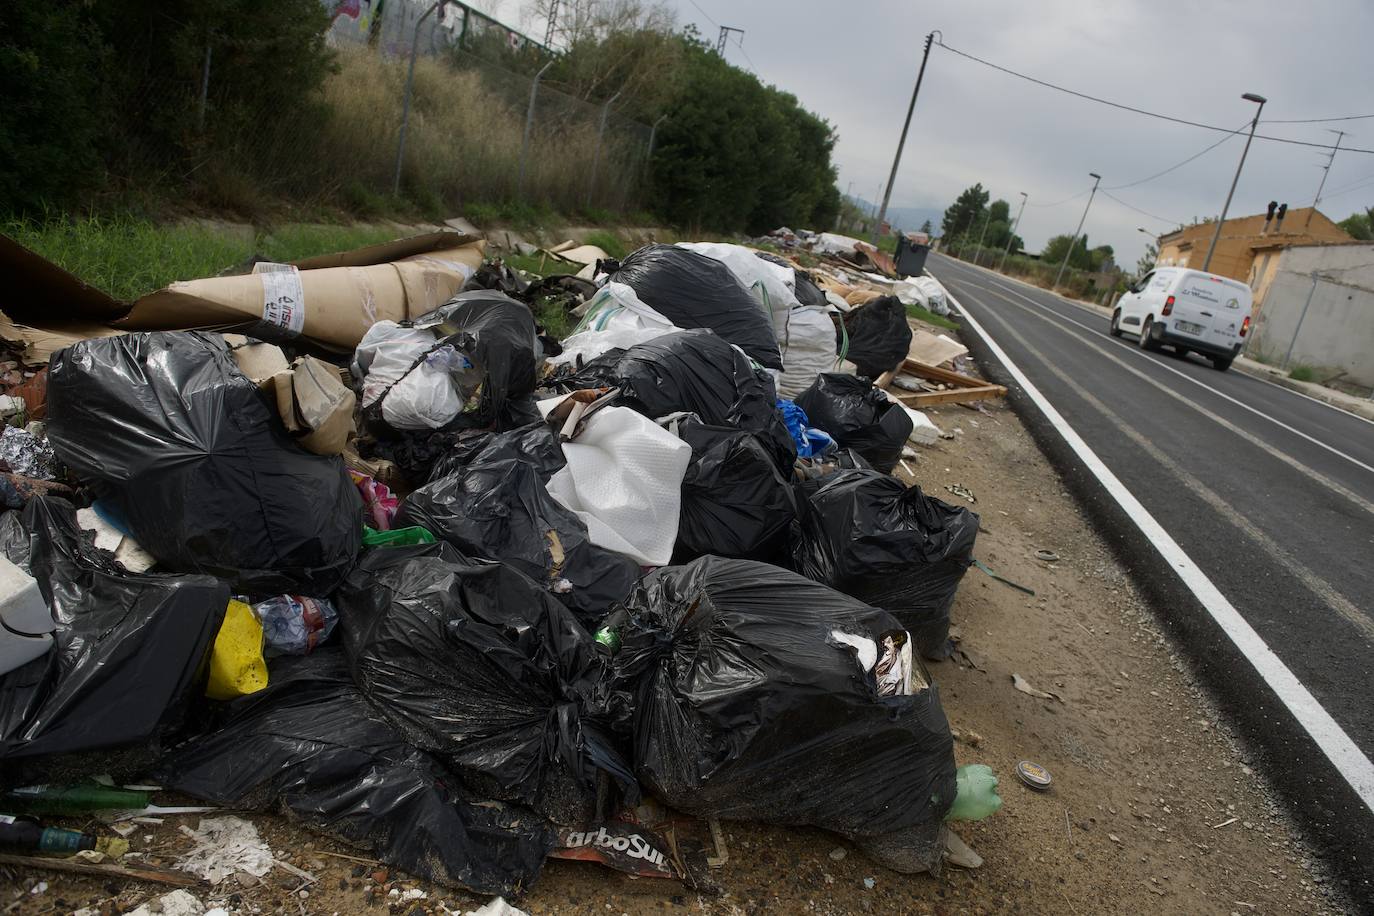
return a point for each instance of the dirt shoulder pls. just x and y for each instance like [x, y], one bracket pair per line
[1153, 807]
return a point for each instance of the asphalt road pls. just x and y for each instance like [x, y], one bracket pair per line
[1270, 493]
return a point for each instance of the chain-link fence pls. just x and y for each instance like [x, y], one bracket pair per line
[475, 131]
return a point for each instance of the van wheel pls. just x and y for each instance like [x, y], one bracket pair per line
[1222, 363]
[1116, 323]
[1147, 342]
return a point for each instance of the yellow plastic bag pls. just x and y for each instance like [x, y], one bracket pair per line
[237, 667]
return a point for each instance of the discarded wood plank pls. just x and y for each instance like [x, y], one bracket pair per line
[142, 873]
[921, 399]
[884, 381]
[948, 376]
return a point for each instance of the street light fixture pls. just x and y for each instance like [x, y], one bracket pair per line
[1260, 100]
[1074, 242]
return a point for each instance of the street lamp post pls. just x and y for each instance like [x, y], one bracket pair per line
[1011, 235]
[1074, 241]
[978, 254]
[1249, 97]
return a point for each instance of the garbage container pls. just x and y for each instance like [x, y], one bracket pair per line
[911, 257]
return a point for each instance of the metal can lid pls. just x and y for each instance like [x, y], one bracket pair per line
[1034, 775]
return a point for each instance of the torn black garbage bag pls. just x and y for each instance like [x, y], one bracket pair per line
[311, 746]
[762, 695]
[857, 416]
[694, 291]
[183, 448]
[496, 507]
[457, 367]
[477, 664]
[735, 503]
[693, 372]
[879, 336]
[127, 657]
[890, 545]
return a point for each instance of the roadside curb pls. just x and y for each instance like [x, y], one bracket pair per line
[1360, 407]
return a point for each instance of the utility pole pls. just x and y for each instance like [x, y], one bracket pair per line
[1340, 135]
[901, 142]
[553, 24]
[1014, 226]
[1249, 97]
[840, 216]
[977, 254]
[1074, 241]
[725, 31]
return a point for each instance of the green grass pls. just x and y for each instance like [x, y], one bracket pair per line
[920, 314]
[1302, 374]
[607, 242]
[127, 257]
[888, 243]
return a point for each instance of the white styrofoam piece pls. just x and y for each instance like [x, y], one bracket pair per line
[22, 607]
[923, 431]
[623, 478]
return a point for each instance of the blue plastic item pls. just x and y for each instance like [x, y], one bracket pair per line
[811, 442]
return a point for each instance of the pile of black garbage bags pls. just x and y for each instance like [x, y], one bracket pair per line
[512, 677]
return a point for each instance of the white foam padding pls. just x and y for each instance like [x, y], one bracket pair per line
[623, 478]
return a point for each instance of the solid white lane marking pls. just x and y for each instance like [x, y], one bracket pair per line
[1355, 768]
[1183, 375]
[1254, 440]
[994, 275]
[1220, 504]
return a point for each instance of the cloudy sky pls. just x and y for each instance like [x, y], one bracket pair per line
[854, 64]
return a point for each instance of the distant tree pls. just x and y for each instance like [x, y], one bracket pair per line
[1054, 250]
[927, 228]
[1147, 260]
[965, 213]
[1360, 225]
[1102, 257]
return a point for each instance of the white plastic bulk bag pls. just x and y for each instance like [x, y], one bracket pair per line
[806, 337]
[623, 478]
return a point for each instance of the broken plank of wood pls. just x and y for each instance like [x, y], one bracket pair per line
[952, 396]
[142, 872]
[936, 374]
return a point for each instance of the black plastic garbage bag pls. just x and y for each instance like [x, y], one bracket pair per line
[311, 746]
[477, 664]
[890, 545]
[857, 416]
[693, 372]
[879, 336]
[734, 501]
[762, 695]
[496, 507]
[488, 342]
[126, 663]
[186, 451]
[694, 291]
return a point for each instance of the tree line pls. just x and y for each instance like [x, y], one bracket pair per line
[104, 103]
[973, 216]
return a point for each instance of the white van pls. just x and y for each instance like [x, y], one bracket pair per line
[1188, 310]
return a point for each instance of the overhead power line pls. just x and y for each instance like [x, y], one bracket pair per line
[1139, 111]
[1178, 165]
[1317, 120]
[1059, 203]
[1162, 219]
[703, 12]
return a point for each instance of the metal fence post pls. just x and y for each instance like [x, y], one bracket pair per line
[529, 124]
[204, 89]
[405, 104]
[596, 158]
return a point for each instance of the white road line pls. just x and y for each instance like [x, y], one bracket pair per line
[1183, 375]
[1041, 314]
[1349, 761]
[1091, 311]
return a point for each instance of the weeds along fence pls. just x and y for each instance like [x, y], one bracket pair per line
[465, 141]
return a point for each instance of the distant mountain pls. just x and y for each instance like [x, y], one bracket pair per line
[906, 219]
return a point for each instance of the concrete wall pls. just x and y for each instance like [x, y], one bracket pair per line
[1337, 334]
